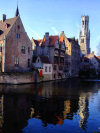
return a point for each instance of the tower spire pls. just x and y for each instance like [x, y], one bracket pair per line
[17, 11]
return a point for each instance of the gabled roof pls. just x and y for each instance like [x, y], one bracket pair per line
[38, 42]
[44, 59]
[52, 40]
[61, 38]
[6, 26]
[97, 58]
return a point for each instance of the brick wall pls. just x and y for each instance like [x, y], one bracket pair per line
[13, 48]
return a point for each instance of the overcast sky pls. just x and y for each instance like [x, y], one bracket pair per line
[54, 16]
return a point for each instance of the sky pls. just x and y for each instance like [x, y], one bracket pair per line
[55, 16]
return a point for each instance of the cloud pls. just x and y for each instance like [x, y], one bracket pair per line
[34, 33]
[55, 30]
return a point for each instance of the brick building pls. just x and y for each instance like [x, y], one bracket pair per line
[54, 48]
[15, 45]
[72, 56]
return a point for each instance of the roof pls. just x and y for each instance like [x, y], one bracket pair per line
[38, 42]
[61, 38]
[98, 59]
[52, 40]
[6, 26]
[45, 59]
[71, 39]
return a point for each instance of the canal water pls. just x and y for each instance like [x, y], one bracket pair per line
[71, 106]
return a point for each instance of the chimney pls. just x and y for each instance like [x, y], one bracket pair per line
[47, 38]
[3, 17]
[47, 34]
[62, 32]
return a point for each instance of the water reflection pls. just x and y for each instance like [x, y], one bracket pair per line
[54, 103]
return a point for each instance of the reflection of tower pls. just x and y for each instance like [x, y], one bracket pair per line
[83, 111]
[1, 111]
[67, 108]
[84, 36]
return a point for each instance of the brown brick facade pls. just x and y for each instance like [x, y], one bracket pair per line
[14, 59]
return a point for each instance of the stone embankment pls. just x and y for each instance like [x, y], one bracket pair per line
[19, 78]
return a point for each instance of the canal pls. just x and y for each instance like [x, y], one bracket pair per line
[71, 106]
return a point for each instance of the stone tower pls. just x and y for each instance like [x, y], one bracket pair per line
[84, 35]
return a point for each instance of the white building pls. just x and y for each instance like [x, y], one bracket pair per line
[42, 63]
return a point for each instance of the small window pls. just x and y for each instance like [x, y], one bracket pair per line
[66, 48]
[38, 60]
[49, 69]
[18, 27]
[17, 36]
[28, 62]
[82, 40]
[0, 47]
[29, 50]
[23, 49]
[46, 69]
[16, 61]
[82, 22]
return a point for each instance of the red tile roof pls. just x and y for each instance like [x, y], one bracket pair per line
[52, 40]
[61, 38]
[98, 57]
[38, 42]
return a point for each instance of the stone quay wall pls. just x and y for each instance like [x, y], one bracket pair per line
[19, 78]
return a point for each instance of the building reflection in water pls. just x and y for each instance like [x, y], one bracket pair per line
[83, 111]
[52, 104]
[1, 110]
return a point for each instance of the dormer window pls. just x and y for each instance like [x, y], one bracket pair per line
[1, 32]
[6, 26]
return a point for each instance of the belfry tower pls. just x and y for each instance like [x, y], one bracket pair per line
[84, 35]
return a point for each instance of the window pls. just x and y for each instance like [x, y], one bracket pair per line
[38, 60]
[82, 40]
[17, 36]
[66, 48]
[54, 68]
[28, 62]
[18, 27]
[16, 61]
[49, 69]
[23, 49]
[82, 22]
[0, 59]
[29, 50]
[46, 69]
[0, 47]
